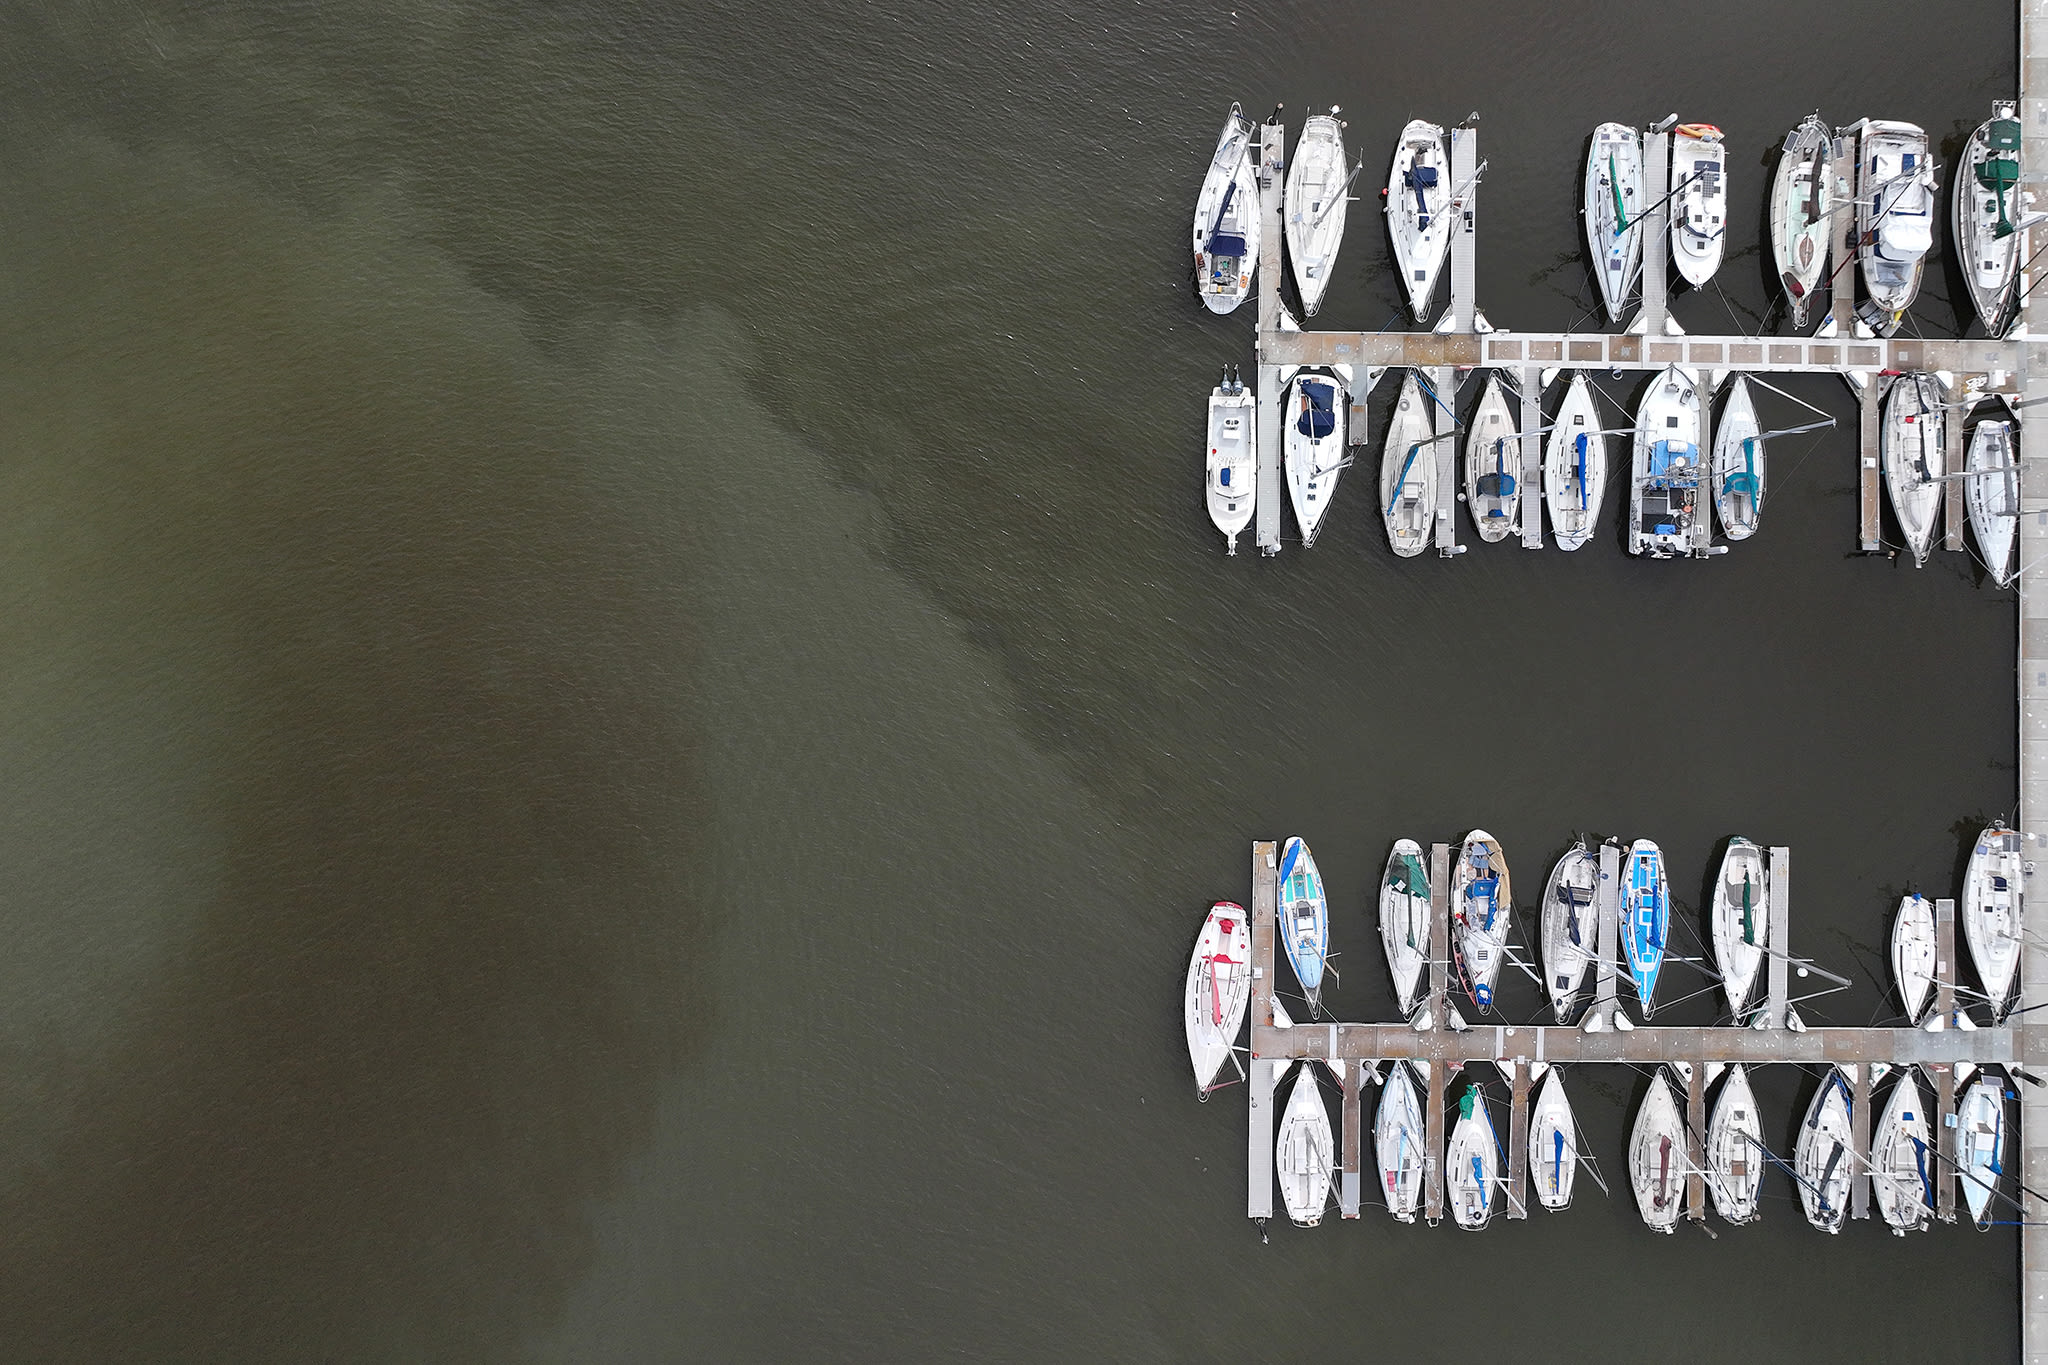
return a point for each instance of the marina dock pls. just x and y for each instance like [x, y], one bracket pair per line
[2015, 368]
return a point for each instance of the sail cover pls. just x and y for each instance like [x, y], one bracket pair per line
[1408, 878]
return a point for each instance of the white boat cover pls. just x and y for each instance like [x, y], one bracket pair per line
[1894, 216]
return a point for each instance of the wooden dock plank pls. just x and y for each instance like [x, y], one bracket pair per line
[1518, 1138]
[1867, 426]
[1443, 420]
[1439, 931]
[1656, 232]
[1464, 243]
[1953, 502]
[1532, 459]
[1776, 1007]
[1696, 1144]
[1862, 357]
[1645, 1044]
[1263, 1073]
[1272, 166]
[1607, 905]
[1945, 1141]
[1842, 246]
[1347, 1192]
[1945, 962]
[1859, 1141]
[1433, 1148]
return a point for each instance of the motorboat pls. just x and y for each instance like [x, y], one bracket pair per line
[1913, 954]
[1824, 1155]
[1989, 242]
[1894, 217]
[1482, 906]
[1312, 439]
[1301, 1154]
[1493, 460]
[1575, 466]
[1233, 477]
[1304, 918]
[1665, 479]
[1399, 1138]
[1799, 212]
[1699, 206]
[1915, 443]
[1226, 237]
[1404, 922]
[1656, 1156]
[1570, 928]
[1219, 989]
[1472, 1163]
[1408, 472]
[1317, 190]
[1735, 1150]
[1738, 463]
[1645, 918]
[1992, 494]
[1993, 908]
[1612, 205]
[1980, 1144]
[1420, 211]
[1902, 1158]
[1553, 1143]
[1741, 921]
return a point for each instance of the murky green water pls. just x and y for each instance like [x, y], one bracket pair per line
[619, 706]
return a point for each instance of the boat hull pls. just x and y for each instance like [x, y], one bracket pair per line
[1699, 211]
[1894, 218]
[1913, 954]
[1667, 467]
[1304, 918]
[1472, 1168]
[1493, 465]
[1219, 988]
[1553, 1144]
[1903, 1159]
[1482, 909]
[1656, 1157]
[1990, 262]
[1313, 446]
[1735, 1150]
[1824, 1155]
[1992, 497]
[1228, 224]
[1302, 1152]
[1570, 929]
[1994, 913]
[1314, 208]
[1741, 921]
[1799, 214]
[1915, 457]
[1419, 212]
[1408, 473]
[1980, 1145]
[1404, 922]
[1738, 464]
[1231, 483]
[1399, 1142]
[1575, 467]
[1613, 201]
[1645, 919]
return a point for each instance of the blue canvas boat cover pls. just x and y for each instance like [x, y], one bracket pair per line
[1321, 418]
[1663, 453]
[1226, 244]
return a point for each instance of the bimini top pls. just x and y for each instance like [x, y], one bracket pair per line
[1905, 228]
[1321, 418]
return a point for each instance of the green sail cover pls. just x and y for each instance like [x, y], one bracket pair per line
[1467, 1100]
[1614, 184]
[1408, 878]
[2004, 135]
[1748, 919]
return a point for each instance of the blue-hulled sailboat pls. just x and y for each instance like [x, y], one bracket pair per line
[1304, 919]
[1645, 918]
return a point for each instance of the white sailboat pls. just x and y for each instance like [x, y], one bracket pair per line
[1226, 236]
[1493, 463]
[1219, 988]
[1570, 928]
[1903, 1159]
[1553, 1143]
[1312, 440]
[1823, 1156]
[1741, 921]
[1472, 1163]
[1420, 211]
[1404, 922]
[1735, 1150]
[1399, 1140]
[1915, 457]
[1302, 1153]
[1992, 910]
[1738, 463]
[1613, 190]
[1656, 1156]
[1991, 231]
[1482, 907]
[1992, 494]
[1699, 211]
[1666, 474]
[1913, 954]
[1980, 1144]
[1408, 473]
[1575, 466]
[1317, 191]
[1232, 480]
[1894, 217]
[1800, 212]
